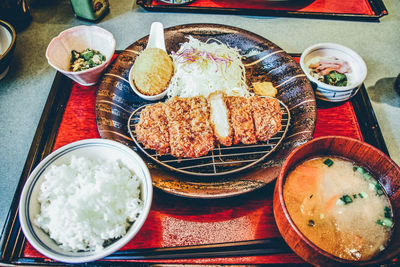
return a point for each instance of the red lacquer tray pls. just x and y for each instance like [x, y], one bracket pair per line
[330, 9]
[236, 230]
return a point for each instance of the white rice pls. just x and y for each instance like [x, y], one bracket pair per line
[87, 202]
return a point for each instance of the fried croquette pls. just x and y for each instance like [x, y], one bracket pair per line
[152, 71]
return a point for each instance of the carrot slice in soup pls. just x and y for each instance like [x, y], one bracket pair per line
[331, 202]
[307, 178]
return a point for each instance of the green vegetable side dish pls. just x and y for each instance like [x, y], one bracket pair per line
[86, 59]
[330, 70]
[335, 78]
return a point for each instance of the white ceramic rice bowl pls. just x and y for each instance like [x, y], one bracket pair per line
[104, 149]
[79, 38]
[356, 77]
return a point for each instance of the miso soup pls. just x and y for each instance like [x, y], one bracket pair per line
[340, 207]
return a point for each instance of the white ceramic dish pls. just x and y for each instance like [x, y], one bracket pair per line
[356, 77]
[156, 40]
[7, 46]
[79, 38]
[29, 207]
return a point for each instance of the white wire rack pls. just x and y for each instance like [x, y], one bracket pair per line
[221, 160]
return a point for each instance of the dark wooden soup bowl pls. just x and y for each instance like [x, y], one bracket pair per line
[377, 163]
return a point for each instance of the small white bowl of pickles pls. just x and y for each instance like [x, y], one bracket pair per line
[335, 71]
[81, 53]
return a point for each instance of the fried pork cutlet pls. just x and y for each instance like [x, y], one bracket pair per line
[152, 129]
[219, 117]
[189, 127]
[190, 131]
[267, 117]
[241, 119]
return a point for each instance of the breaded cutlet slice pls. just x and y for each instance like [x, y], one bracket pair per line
[190, 131]
[219, 117]
[152, 128]
[241, 120]
[267, 115]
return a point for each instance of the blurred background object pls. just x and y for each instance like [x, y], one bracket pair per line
[7, 46]
[16, 12]
[177, 2]
[90, 9]
[397, 84]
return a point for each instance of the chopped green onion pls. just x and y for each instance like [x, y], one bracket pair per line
[359, 169]
[328, 162]
[346, 199]
[388, 212]
[367, 176]
[385, 222]
[379, 190]
[373, 181]
[363, 172]
[354, 196]
[372, 187]
[363, 195]
[340, 202]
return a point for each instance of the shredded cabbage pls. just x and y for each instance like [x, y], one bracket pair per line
[202, 68]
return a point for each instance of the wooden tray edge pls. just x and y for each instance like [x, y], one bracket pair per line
[12, 238]
[377, 6]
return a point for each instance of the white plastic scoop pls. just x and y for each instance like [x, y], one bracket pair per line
[156, 37]
[156, 40]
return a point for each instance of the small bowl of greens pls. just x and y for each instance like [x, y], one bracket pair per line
[81, 53]
[335, 71]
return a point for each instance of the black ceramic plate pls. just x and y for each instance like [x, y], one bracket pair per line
[115, 101]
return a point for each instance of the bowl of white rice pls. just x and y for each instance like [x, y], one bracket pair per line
[85, 200]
